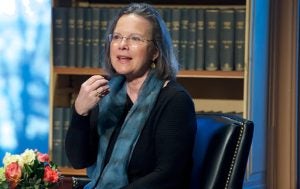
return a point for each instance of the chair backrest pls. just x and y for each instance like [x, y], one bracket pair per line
[221, 151]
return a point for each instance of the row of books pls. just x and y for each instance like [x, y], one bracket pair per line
[203, 38]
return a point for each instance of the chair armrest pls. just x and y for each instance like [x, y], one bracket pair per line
[79, 182]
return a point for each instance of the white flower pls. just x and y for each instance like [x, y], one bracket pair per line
[28, 157]
[2, 175]
[9, 158]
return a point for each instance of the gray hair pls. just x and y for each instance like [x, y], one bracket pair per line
[166, 63]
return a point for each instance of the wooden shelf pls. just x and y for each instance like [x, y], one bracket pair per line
[77, 71]
[211, 74]
[181, 74]
[71, 171]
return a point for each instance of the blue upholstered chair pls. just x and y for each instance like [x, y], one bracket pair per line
[221, 151]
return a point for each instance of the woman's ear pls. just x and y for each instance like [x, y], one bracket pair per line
[155, 54]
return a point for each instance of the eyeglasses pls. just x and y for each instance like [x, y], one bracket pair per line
[133, 39]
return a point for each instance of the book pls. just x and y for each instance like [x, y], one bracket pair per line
[71, 36]
[79, 37]
[191, 45]
[87, 29]
[167, 16]
[103, 26]
[57, 139]
[183, 40]
[200, 39]
[95, 41]
[67, 112]
[211, 39]
[226, 39]
[59, 17]
[175, 29]
[239, 45]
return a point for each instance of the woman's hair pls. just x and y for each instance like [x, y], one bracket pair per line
[166, 63]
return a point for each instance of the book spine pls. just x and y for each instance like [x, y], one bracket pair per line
[184, 32]
[87, 37]
[57, 140]
[79, 37]
[175, 29]
[112, 13]
[212, 39]
[226, 39]
[191, 47]
[71, 56]
[65, 126]
[167, 16]
[200, 39]
[161, 12]
[239, 46]
[59, 16]
[103, 26]
[95, 37]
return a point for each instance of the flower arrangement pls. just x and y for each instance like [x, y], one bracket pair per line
[29, 170]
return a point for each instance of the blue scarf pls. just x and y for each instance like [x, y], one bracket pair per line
[114, 174]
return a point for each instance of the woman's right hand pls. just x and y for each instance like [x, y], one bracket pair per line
[91, 92]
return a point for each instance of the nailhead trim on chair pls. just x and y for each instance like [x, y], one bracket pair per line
[75, 182]
[235, 154]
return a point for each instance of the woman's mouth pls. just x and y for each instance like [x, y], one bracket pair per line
[124, 59]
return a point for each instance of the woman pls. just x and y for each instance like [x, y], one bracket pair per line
[143, 133]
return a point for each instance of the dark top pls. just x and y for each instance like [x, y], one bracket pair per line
[162, 157]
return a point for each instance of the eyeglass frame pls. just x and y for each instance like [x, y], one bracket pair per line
[129, 38]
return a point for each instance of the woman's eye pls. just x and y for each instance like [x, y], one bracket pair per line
[136, 38]
[116, 37]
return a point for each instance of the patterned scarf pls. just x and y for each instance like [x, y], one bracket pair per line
[114, 174]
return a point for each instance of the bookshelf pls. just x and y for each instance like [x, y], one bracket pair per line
[214, 90]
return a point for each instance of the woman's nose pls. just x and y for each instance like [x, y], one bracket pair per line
[124, 43]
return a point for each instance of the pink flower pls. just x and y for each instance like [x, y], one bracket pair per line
[13, 173]
[42, 157]
[50, 175]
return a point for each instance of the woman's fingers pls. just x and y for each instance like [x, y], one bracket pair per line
[91, 91]
[93, 83]
[92, 79]
[102, 91]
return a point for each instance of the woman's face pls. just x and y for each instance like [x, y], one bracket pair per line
[131, 50]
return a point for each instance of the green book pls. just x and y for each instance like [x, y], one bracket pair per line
[112, 13]
[67, 112]
[239, 46]
[226, 39]
[200, 40]
[175, 29]
[96, 37]
[59, 21]
[103, 27]
[191, 46]
[161, 12]
[57, 138]
[87, 25]
[71, 47]
[79, 37]
[167, 16]
[184, 34]
[212, 39]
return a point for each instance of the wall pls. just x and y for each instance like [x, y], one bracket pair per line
[282, 118]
